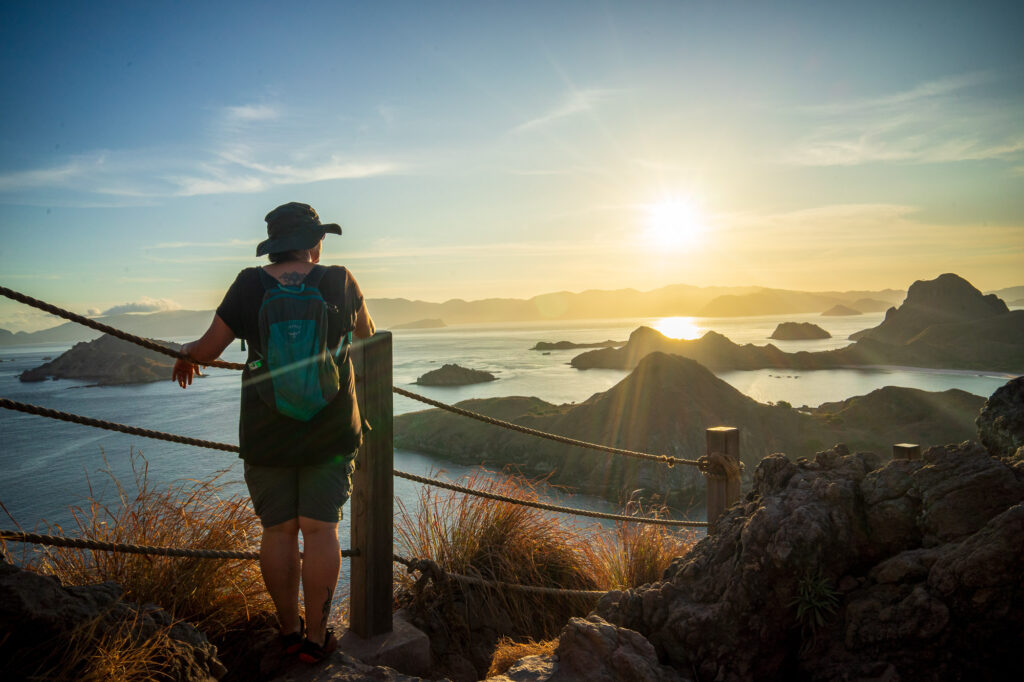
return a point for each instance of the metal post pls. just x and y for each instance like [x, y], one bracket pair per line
[721, 468]
[373, 491]
[906, 451]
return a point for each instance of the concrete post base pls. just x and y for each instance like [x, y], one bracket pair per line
[406, 648]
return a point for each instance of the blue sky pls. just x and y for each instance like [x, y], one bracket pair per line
[508, 149]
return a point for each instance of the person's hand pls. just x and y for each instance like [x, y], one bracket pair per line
[183, 372]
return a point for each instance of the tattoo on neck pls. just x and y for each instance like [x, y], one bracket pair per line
[291, 278]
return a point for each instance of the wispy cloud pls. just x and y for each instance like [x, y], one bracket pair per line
[947, 120]
[252, 148]
[143, 305]
[575, 102]
[204, 245]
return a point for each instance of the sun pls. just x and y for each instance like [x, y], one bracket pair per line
[674, 224]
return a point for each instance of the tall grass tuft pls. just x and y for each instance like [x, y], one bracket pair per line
[637, 553]
[216, 595]
[503, 542]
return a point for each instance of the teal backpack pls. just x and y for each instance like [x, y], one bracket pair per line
[297, 374]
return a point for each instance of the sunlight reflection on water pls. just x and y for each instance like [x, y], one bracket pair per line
[680, 328]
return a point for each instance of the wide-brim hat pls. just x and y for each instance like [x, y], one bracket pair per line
[294, 227]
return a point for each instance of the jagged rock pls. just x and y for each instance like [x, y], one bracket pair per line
[915, 568]
[37, 611]
[1001, 422]
[593, 650]
[799, 331]
[454, 375]
[568, 345]
[106, 360]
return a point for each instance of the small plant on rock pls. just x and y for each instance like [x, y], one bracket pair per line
[815, 600]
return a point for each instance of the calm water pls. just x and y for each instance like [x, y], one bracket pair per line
[46, 464]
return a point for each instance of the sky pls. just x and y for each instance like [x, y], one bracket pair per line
[508, 149]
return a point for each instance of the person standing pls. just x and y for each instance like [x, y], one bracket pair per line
[297, 466]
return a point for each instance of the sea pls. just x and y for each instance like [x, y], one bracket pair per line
[48, 467]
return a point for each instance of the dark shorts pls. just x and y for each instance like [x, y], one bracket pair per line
[317, 492]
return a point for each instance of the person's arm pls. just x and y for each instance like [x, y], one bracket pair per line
[202, 351]
[364, 324]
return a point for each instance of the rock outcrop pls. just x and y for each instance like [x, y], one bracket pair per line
[107, 361]
[840, 310]
[1001, 422]
[947, 299]
[842, 568]
[40, 618]
[664, 406]
[798, 331]
[454, 375]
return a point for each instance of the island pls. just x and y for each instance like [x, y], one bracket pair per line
[569, 345]
[840, 310]
[943, 323]
[107, 361]
[799, 331]
[454, 375]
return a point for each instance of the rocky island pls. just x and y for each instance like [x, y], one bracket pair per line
[943, 323]
[664, 407]
[799, 331]
[107, 361]
[454, 375]
[569, 345]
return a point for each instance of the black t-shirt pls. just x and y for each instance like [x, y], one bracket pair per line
[265, 436]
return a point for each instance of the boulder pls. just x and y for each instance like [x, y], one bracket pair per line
[1001, 422]
[454, 375]
[37, 611]
[593, 650]
[799, 331]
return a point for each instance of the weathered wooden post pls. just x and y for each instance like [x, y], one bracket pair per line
[721, 469]
[373, 491]
[906, 451]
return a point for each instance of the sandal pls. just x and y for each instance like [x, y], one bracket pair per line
[311, 652]
[292, 642]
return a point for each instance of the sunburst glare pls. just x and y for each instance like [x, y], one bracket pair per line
[684, 328]
[674, 223]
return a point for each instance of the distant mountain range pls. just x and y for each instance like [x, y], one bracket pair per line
[394, 313]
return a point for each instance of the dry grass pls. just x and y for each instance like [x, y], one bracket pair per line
[509, 651]
[215, 595]
[99, 650]
[502, 542]
[516, 544]
[637, 553]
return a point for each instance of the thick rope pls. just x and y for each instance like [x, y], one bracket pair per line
[227, 447]
[107, 329]
[83, 543]
[151, 345]
[546, 506]
[664, 459]
[430, 570]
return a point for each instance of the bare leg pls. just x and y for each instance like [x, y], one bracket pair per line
[321, 566]
[279, 561]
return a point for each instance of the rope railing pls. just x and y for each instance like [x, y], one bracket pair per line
[430, 570]
[106, 328]
[28, 408]
[152, 345]
[129, 548]
[664, 459]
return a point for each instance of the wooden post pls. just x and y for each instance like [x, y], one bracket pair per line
[373, 491]
[722, 472]
[906, 451]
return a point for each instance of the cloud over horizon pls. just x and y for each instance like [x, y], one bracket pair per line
[143, 305]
